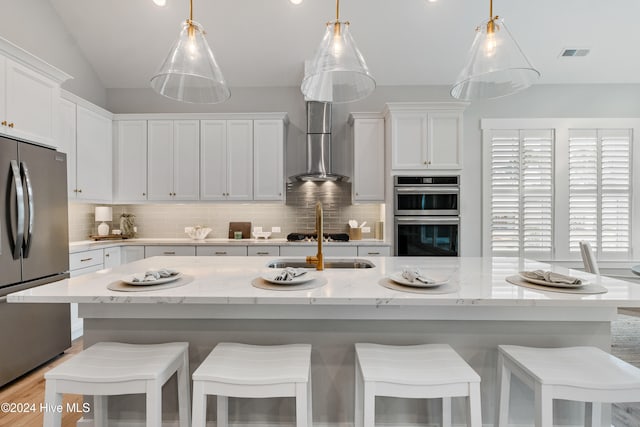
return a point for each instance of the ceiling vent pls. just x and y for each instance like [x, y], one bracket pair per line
[574, 52]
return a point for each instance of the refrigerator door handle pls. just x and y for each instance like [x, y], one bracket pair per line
[19, 236]
[29, 234]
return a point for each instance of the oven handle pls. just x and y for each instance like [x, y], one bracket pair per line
[428, 190]
[428, 220]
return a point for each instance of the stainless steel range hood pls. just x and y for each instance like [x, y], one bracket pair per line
[318, 145]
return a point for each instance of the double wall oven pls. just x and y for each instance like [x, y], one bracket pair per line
[427, 215]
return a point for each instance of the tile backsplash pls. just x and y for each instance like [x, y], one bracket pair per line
[297, 215]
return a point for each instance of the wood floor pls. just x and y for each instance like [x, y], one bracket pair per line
[625, 344]
[29, 390]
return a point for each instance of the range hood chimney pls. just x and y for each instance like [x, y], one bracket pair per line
[318, 144]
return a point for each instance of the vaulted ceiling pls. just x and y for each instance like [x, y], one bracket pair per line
[405, 42]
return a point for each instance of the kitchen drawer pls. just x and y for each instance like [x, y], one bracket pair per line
[221, 251]
[374, 250]
[150, 251]
[332, 251]
[263, 251]
[86, 259]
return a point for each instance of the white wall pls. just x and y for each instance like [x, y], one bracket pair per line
[36, 27]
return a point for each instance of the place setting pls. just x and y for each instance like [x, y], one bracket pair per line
[554, 282]
[415, 280]
[150, 280]
[288, 279]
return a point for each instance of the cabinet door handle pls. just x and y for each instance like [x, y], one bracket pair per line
[80, 191]
[86, 259]
[106, 255]
[10, 125]
[262, 253]
[373, 253]
[168, 253]
[4, 123]
[221, 253]
[144, 194]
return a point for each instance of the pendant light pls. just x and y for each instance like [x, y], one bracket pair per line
[338, 72]
[190, 72]
[496, 65]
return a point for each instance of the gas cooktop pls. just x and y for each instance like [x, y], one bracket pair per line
[313, 237]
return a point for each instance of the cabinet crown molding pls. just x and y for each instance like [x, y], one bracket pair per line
[391, 107]
[27, 59]
[357, 116]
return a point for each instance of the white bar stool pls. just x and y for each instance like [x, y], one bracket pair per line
[110, 368]
[585, 374]
[418, 371]
[242, 370]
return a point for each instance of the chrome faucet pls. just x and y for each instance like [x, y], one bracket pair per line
[318, 260]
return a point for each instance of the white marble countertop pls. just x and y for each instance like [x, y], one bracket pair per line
[227, 280]
[84, 245]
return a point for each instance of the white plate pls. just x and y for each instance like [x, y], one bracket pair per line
[271, 275]
[554, 284]
[129, 280]
[397, 277]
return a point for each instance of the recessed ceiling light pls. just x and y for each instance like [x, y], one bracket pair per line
[295, 1]
[574, 51]
[160, 2]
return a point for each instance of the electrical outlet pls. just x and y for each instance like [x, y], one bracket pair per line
[275, 229]
[366, 229]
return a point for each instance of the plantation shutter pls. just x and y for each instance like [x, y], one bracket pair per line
[522, 192]
[600, 189]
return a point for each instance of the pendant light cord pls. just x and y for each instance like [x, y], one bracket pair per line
[490, 9]
[190, 11]
[337, 10]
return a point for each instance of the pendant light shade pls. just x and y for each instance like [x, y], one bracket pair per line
[190, 72]
[338, 73]
[496, 65]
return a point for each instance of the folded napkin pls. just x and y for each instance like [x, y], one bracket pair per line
[153, 275]
[413, 274]
[288, 274]
[551, 277]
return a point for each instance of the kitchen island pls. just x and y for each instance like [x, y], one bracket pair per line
[219, 303]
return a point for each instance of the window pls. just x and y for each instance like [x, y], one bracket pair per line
[522, 192]
[550, 183]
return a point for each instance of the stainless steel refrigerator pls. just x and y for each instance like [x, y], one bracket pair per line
[34, 250]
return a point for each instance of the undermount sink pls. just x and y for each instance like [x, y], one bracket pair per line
[328, 263]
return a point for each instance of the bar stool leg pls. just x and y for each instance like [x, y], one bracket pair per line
[223, 411]
[369, 405]
[475, 414]
[544, 406]
[199, 415]
[52, 399]
[504, 384]
[154, 404]
[593, 414]
[446, 412]
[184, 400]
[301, 405]
[359, 398]
[309, 401]
[100, 411]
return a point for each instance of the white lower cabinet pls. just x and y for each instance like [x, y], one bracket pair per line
[150, 251]
[112, 257]
[333, 251]
[131, 254]
[83, 263]
[374, 250]
[263, 251]
[221, 250]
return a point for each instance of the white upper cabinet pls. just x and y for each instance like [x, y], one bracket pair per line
[226, 160]
[425, 135]
[130, 161]
[85, 135]
[268, 160]
[29, 96]
[368, 158]
[173, 151]
[93, 156]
